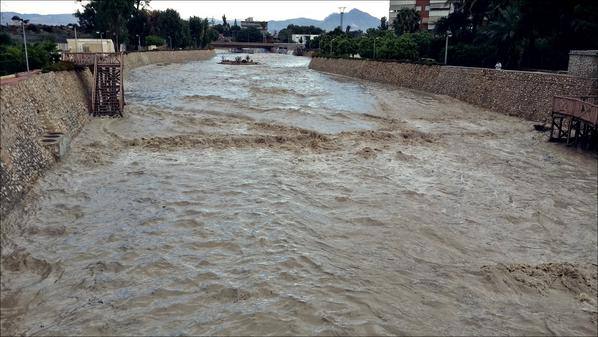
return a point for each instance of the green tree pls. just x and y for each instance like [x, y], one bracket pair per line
[207, 34]
[383, 23]
[423, 40]
[407, 21]
[250, 34]
[110, 17]
[154, 40]
[12, 60]
[365, 47]
[41, 55]
[170, 27]
[315, 42]
[185, 35]
[196, 30]
[5, 39]
[505, 32]
[138, 26]
[458, 24]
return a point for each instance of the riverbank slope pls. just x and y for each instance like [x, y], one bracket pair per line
[52, 102]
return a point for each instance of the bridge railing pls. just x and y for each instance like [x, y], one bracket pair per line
[584, 107]
[223, 44]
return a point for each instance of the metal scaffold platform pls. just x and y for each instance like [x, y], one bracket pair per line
[108, 92]
[575, 121]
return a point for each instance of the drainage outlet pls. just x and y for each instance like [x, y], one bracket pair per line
[57, 143]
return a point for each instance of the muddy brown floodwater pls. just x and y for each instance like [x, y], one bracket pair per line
[273, 199]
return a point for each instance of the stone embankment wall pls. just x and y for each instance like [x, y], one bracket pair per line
[525, 94]
[583, 63]
[134, 60]
[51, 102]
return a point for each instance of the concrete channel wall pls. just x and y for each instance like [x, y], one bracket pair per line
[56, 102]
[134, 60]
[51, 102]
[525, 94]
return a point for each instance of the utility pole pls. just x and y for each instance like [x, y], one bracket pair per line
[25, 43]
[342, 10]
[448, 34]
[76, 41]
[101, 40]
[23, 22]
[331, 43]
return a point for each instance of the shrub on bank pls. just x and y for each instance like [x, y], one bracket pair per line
[154, 40]
[59, 66]
[12, 55]
[381, 46]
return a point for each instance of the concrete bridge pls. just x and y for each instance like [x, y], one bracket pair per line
[265, 45]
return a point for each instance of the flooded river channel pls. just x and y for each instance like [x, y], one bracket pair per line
[273, 199]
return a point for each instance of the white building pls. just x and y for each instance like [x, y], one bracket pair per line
[430, 10]
[302, 38]
[90, 46]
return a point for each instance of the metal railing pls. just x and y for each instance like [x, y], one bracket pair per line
[88, 59]
[584, 108]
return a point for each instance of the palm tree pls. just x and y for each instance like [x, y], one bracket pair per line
[506, 32]
[407, 21]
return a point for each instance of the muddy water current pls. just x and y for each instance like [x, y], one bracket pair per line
[272, 199]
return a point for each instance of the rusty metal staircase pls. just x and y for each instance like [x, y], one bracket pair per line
[107, 95]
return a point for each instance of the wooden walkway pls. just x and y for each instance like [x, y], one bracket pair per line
[575, 121]
[107, 97]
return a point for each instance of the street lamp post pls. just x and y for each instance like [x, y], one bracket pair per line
[331, 44]
[76, 41]
[23, 22]
[138, 42]
[117, 48]
[331, 41]
[448, 34]
[101, 40]
[342, 10]
[375, 39]
[170, 39]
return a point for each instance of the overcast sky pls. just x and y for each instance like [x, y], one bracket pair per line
[260, 10]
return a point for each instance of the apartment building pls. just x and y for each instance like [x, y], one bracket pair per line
[430, 10]
[261, 25]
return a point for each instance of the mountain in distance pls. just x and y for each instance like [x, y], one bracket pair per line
[355, 18]
[39, 19]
